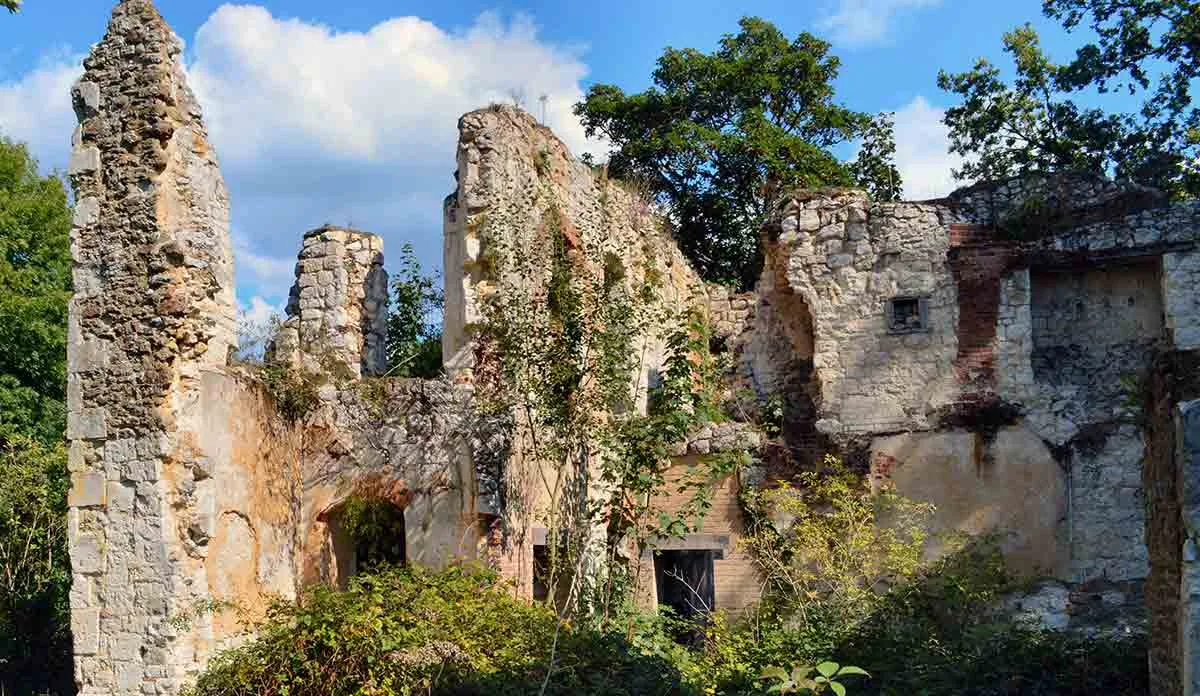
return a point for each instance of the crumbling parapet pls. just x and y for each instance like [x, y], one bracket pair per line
[153, 311]
[337, 310]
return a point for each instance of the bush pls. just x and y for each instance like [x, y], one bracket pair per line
[35, 637]
[934, 636]
[406, 631]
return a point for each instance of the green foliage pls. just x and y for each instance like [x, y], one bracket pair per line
[639, 446]
[721, 135]
[11, 5]
[294, 391]
[35, 575]
[35, 278]
[1036, 123]
[376, 526]
[831, 545]
[414, 344]
[937, 634]
[874, 168]
[35, 285]
[412, 631]
[811, 680]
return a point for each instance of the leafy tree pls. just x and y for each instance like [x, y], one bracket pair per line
[414, 346]
[35, 573]
[1035, 122]
[720, 135]
[11, 5]
[875, 166]
[35, 284]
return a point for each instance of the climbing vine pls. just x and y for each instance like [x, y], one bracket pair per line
[569, 328]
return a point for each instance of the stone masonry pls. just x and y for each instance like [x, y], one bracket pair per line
[337, 310]
[153, 310]
[1022, 354]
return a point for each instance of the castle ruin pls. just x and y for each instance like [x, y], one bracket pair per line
[1022, 354]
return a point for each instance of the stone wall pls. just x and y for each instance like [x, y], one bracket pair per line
[337, 309]
[518, 187]
[152, 318]
[1039, 304]
[405, 440]
[988, 352]
[844, 260]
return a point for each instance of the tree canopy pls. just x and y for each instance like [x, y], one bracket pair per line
[720, 135]
[1147, 49]
[414, 340]
[35, 284]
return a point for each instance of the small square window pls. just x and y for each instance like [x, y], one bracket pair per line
[907, 315]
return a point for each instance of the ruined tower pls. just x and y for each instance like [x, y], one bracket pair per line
[337, 309]
[153, 311]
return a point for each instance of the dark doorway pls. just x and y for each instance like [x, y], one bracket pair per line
[684, 580]
[376, 528]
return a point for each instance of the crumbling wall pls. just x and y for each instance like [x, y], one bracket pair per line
[337, 309]
[405, 440]
[845, 259]
[1041, 303]
[998, 484]
[518, 185]
[152, 414]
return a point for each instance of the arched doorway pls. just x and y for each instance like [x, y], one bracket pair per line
[366, 533]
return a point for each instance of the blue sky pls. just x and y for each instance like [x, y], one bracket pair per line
[346, 112]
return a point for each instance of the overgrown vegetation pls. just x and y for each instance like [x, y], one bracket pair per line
[414, 342]
[376, 526]
[410, 631]
[35, 279]
[295, 392]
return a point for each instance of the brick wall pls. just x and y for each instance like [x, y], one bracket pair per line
[736, 579]
[978, 261]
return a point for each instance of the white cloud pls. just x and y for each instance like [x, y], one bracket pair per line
[36, 109]
[273, 274]
[315, 125]
[860, 22]
[922, 151]
[259, 311]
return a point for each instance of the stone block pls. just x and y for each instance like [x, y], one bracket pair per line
[86, 98]
[90, 355]
[86, 555]
[87, 424]
[125, 646]
[119, 497]
[807, 220]
[85, 631]
[84, 160]
[87, 490]
[87, 212]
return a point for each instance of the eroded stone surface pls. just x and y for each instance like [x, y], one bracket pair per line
[983, 352]
[337, 310]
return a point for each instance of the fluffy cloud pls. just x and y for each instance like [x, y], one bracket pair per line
[922, 155]
[314, 125]
[860, 22]
[36, 109]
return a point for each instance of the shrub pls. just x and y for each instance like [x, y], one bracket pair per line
[35, 637]
[936, 635]
[295, 392]
[407, 631]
